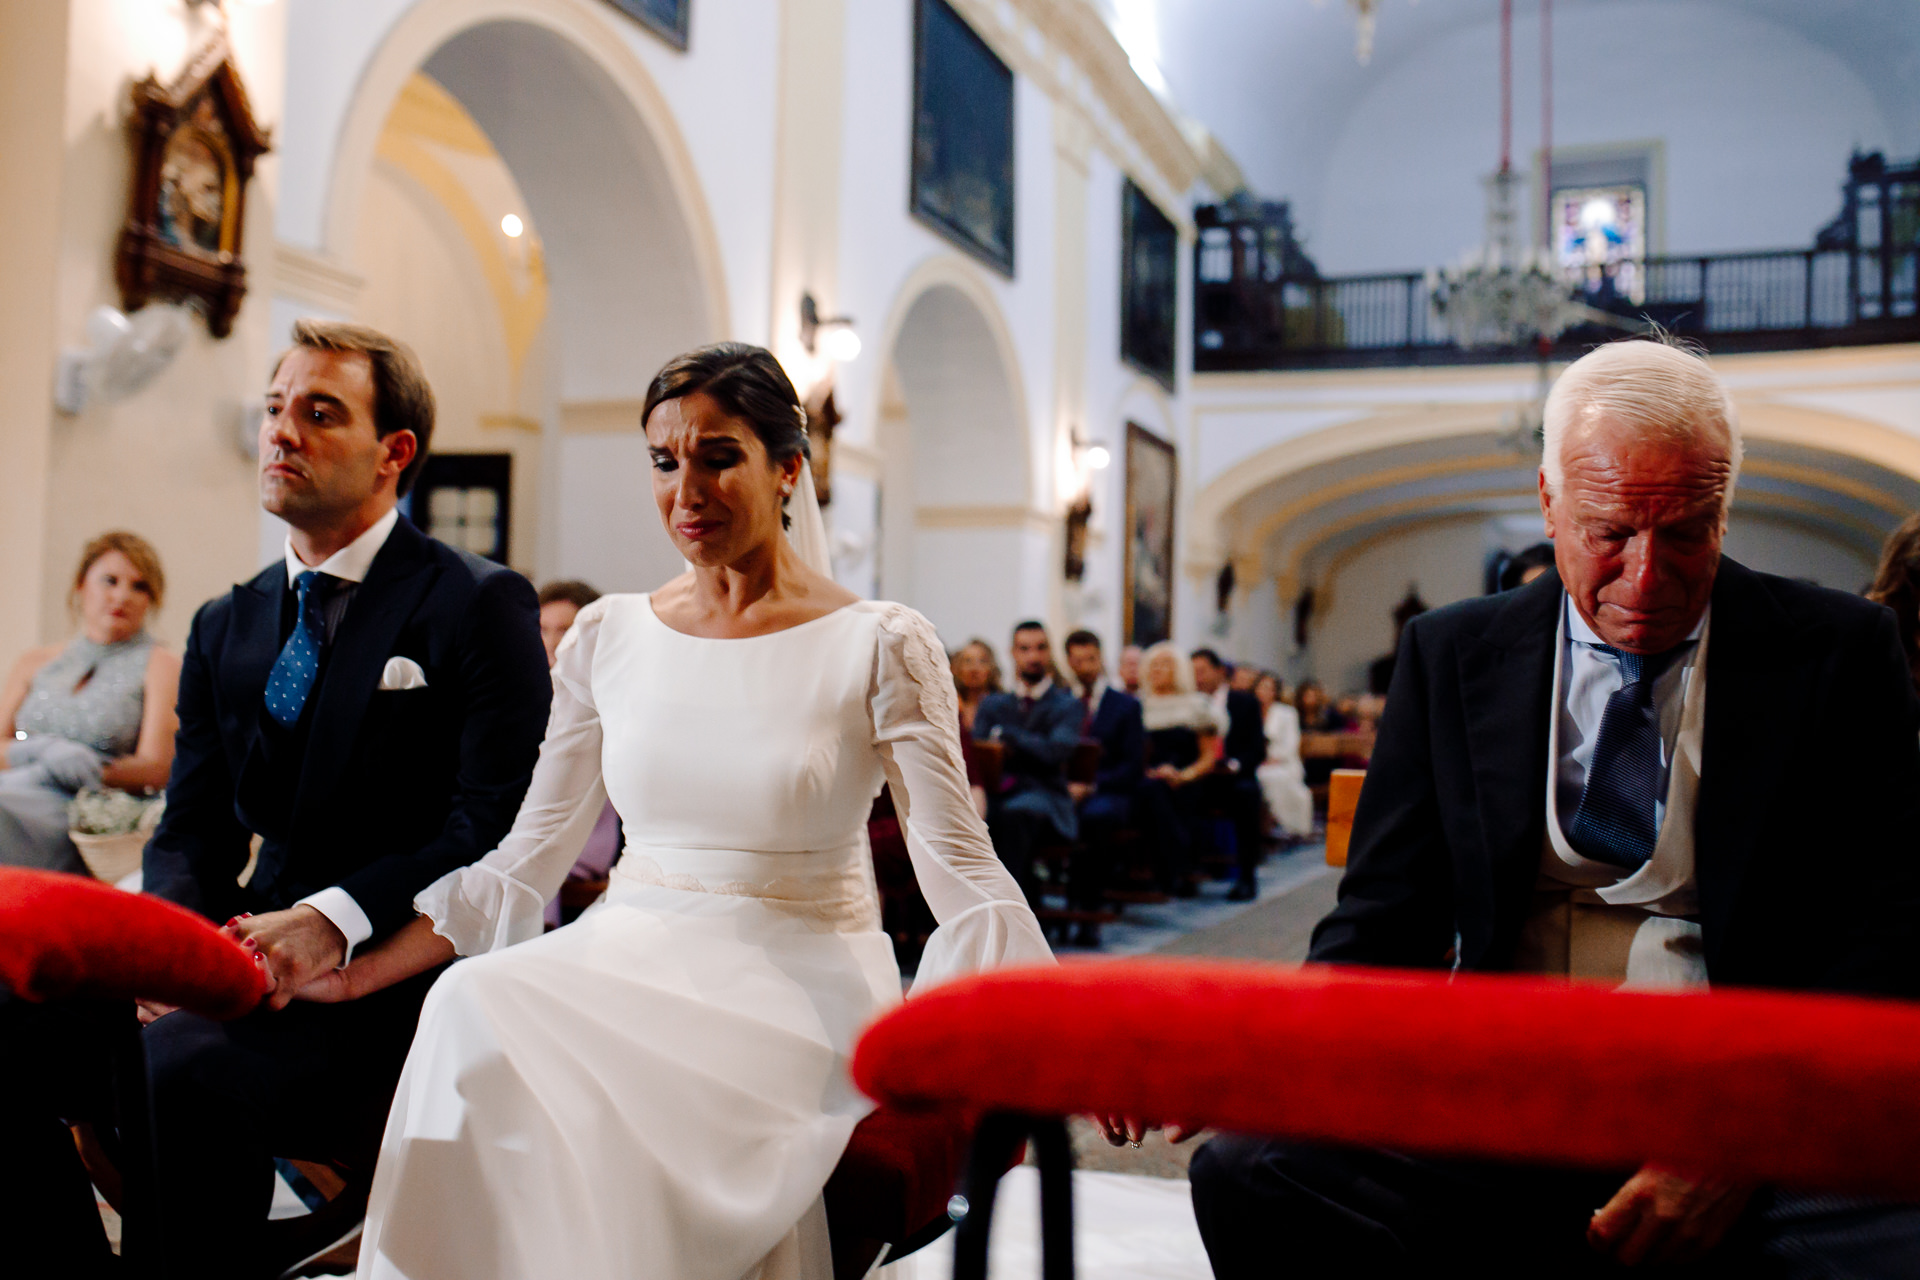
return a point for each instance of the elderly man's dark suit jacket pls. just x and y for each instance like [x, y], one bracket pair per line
[1806, 822]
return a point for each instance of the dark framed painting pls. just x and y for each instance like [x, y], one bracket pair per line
[1149, 285]
[194, 146]
[667, 19]
[962, 164]
[466, 501]
[1152, 479]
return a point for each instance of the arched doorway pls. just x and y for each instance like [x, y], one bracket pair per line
[610, 216]
[960, 539]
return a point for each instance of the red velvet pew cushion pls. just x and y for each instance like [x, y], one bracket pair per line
[68, 935]
[898, 1172]
[1811, 1091]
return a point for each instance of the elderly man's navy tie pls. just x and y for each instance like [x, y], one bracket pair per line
[1615, 820]
[291, 679]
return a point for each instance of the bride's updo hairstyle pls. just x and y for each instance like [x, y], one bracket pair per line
[747, 383]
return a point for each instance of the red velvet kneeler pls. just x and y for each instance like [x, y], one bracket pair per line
[1816, 1092]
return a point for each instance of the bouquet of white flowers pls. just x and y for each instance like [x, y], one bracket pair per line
[111, 828]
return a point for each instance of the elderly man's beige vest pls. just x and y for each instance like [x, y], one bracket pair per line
[1593, 920]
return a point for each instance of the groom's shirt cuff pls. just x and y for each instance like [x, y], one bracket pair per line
[337, 905]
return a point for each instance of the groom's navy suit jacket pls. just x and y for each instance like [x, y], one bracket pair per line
[1806, 823]
[378, 791]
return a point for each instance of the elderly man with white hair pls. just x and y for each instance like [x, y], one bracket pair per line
[1651, 766]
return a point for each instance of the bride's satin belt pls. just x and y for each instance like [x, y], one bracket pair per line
[828, 886]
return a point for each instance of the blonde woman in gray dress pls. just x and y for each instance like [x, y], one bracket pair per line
[660, 1089]
[94, 711]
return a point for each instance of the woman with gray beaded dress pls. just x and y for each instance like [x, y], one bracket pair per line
[95, 711]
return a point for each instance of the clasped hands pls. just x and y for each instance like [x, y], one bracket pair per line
[297, 948]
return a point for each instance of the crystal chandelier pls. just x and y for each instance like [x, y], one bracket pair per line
[1502, 295]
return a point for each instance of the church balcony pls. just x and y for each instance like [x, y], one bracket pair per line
[1779, 300]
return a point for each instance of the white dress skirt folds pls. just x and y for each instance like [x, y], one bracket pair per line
[659, 1091]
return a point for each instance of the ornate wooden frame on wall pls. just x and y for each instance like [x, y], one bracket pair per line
[194, 145]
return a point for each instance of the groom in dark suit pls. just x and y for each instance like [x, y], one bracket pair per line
[366, 713]
[1652, 765]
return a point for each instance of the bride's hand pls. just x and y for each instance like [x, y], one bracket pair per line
[412, 949]
[1127, 1131]
[329, 988]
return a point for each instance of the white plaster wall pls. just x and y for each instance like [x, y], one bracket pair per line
[609, 530]
[164, 462]
[1757, 121]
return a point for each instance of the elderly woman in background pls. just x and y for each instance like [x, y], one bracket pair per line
[976, 673]
[1283, 778]
[1897, 585]
[1183, 745]
[96, 711]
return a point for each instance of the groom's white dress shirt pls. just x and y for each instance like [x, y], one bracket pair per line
[349, 564]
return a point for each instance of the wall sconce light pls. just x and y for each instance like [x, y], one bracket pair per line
[1094, 457]
[841, 342]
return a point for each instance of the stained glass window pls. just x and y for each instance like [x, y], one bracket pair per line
[1600, 238]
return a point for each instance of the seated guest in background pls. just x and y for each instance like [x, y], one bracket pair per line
[370, 706]
[1234, 784]
[1038, 722]
[1283, 779]
[1897, 586]
[96, 711]
[1310, 700]
[976, 673]
[1112, 719]
[1183, 745]
[1524, 566]
[1242, 677]
[1128, 669]
[1611, 774]
[560, 603]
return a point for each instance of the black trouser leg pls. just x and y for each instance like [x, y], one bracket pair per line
[1167, 832]
[310, 1081]
[1269, 1208]
[1015, 835]
[53, 1071]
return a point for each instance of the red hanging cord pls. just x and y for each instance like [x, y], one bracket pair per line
[1546, 119]
[1506, 85]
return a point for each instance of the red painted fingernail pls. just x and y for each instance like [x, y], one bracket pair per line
[231, 921]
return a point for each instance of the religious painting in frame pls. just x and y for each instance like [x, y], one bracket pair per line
[962, 161]
[194, 146]
[1149, 285]
[667, 19]
[1152, 477]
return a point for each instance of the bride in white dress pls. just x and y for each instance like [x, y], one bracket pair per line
[659, 1091]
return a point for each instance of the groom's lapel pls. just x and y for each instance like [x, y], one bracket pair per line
[399, 576]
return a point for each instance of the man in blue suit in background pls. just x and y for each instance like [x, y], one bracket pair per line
[1110, 717]
[1038, 722]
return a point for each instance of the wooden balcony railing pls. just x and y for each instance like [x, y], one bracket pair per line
[1250, 315]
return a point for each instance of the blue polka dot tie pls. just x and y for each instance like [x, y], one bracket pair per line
[1614, 822]
[291, 679]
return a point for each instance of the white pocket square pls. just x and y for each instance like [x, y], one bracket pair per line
[403, 673]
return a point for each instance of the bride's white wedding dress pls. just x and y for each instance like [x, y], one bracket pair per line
[659, 1091]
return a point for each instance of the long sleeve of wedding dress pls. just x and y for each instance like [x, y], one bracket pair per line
[984, 920]
[500, 900]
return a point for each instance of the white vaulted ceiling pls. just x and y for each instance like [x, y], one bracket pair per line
[1278, 83]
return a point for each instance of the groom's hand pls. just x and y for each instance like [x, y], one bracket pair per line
[299, 944]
